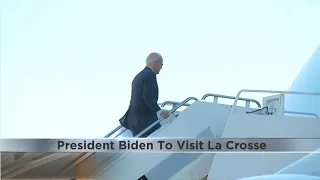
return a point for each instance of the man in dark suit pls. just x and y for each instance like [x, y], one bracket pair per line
[144, 109]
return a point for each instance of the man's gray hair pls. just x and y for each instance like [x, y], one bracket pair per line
[153, 57]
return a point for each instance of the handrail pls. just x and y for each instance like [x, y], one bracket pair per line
[145, 130]
[216, 96]
[302, 113]
[113, 131]
[170, 112]
[110, 156]
[268, 91]
[263, 91]
[174, 103]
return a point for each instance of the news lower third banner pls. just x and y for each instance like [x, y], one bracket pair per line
[214, 145]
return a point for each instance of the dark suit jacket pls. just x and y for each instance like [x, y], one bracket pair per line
[143, 106]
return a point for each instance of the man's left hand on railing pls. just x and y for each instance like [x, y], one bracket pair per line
[165, 114]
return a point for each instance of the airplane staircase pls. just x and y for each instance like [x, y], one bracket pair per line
[200, 119]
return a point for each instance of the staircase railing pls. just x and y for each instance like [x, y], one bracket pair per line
[170, 112]
[113, 131]
[173, 103]
[264, 91]
[142, 132]
[270, 91]
[216, 96]
[215, 100]
[84, 156]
